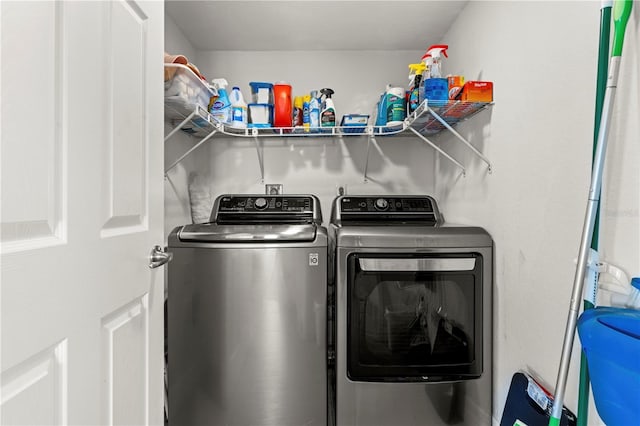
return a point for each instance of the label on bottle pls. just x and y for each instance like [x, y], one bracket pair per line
[305, 113]
[297, 116]
[238, 115]
[395, 110]
[328, 119]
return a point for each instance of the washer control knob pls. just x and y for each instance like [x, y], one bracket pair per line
[260, 203]
[382, 204]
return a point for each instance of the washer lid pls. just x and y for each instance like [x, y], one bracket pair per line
[247, 233]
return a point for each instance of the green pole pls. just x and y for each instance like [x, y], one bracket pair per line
[621, 14]
[601, 84]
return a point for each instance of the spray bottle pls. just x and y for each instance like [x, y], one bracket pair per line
[314, 111]
[427, 62]
[221, 108]
[414, 86]
[435, 88]
[436, 51]
[328, 110]
[238, 109]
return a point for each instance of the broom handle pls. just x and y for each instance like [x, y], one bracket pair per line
[621, 12]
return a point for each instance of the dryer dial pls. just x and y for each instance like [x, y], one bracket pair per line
[381, 204]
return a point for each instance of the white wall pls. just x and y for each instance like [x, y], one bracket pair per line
[542, 57]
[538, 137]
[319, 165]
[176, 204]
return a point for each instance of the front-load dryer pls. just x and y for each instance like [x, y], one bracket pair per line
[412, 329]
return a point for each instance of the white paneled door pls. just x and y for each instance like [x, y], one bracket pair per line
[82, 152]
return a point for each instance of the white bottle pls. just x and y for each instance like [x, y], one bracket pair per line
[314, 112]
[238, 109]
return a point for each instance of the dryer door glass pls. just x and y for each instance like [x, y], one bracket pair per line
[414, 317]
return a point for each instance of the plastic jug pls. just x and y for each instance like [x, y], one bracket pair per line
[283, 108]
[238, 109]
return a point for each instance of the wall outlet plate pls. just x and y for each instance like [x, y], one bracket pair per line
[273, 188]
[341, 189]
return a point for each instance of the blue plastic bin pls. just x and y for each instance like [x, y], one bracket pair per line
[611, 340]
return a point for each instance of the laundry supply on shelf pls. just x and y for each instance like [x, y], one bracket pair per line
[328, 113]
[221, 108]
[415, 77]
[238, 109]
[283, 107]
[314, 111]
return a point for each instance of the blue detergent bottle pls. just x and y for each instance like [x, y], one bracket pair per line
[381, 114]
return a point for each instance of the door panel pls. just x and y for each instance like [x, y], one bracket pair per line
[41, 379]
[82, 180]
[32, 211]
[128, 136]
[125, 348]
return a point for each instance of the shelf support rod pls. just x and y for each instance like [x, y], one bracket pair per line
[260, 158]
[203, 140]
[178, 127]
[434, 146]
[366, 164]
[457, 135]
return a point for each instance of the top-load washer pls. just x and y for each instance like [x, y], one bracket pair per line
[247, 314]
[413, 314]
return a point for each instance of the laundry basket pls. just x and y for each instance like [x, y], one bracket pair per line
[611, 340]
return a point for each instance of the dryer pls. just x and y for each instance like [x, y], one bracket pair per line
[412, 323]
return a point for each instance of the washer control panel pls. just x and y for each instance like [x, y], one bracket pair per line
[256, 209]
[267, 203]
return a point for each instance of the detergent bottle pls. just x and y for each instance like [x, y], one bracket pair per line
[238, 109]
[328, 110]
[436, 51]
[414, 86]
[221, 108]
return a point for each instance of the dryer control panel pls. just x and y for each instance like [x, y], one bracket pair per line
[386, 209]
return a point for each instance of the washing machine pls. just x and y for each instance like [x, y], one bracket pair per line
[411, 315]
[247, 314]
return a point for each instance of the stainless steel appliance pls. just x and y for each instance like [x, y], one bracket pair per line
[247, 314]
[413, 315]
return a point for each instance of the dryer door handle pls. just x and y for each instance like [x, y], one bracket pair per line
[420, 264]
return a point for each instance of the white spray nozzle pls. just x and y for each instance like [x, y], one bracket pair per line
[220, 83]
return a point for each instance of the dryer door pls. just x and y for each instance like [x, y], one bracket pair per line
[414, 317]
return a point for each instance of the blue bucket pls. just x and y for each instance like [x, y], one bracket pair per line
[611, 341]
